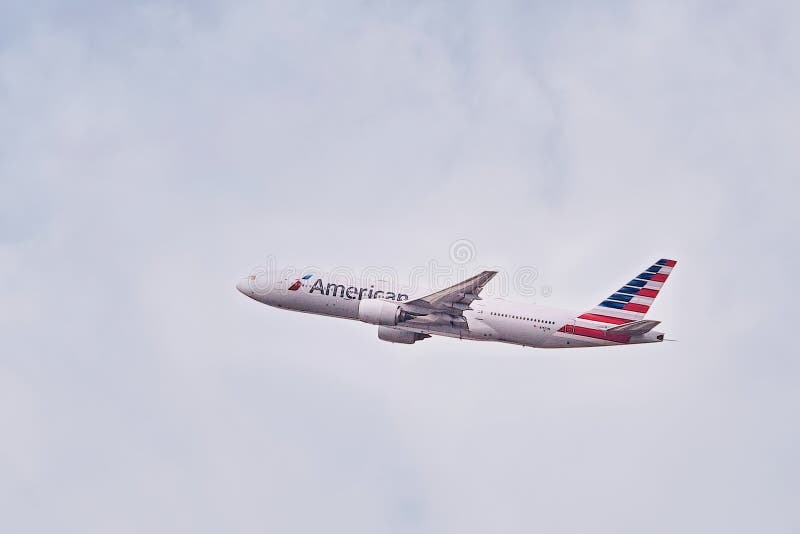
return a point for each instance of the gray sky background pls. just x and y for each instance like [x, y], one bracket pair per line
[151, 153]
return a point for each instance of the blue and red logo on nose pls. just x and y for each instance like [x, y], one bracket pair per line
[298, 283]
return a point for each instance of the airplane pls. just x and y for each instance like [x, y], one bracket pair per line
[459, 312]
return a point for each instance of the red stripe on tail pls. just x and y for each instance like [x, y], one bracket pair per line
[595, 333]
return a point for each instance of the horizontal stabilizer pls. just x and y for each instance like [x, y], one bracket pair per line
[635, 328]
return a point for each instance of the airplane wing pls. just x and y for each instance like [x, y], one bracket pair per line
[453, 300]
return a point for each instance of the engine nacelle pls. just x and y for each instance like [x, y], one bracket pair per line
[380, 312]
[395, 335]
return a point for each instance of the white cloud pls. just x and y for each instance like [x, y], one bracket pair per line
[152, 154]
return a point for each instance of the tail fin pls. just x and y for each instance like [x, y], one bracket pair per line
[632, 301]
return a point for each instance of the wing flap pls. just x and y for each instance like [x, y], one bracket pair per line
[454, 299]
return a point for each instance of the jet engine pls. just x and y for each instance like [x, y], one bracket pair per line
[395, 335]
[378, 311]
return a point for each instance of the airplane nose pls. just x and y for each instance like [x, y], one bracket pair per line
[243, 286]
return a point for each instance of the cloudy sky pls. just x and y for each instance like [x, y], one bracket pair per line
[153, 152]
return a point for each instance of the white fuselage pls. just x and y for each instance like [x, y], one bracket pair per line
[485, 320]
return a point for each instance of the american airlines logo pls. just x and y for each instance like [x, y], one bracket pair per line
[347, 292]
[298, 283]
